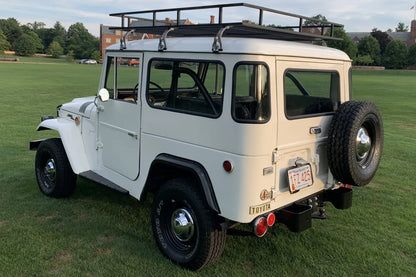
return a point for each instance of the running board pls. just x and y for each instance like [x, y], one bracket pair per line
[101, 180]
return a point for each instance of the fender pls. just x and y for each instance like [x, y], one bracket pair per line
[191, 167]
[71, 140]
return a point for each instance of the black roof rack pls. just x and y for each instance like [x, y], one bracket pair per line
[177, 28]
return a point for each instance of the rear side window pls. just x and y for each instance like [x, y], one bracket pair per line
[251, 93]
[310, 93]
[194, 87]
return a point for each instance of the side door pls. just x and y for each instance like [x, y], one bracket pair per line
[311, 93]
[119, 118]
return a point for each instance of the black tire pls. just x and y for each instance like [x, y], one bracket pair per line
[53, 171]
[192, 246]
[355, 142]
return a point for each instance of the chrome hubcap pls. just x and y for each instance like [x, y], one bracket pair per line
[363, 144]
[182, 224]
[50, 170]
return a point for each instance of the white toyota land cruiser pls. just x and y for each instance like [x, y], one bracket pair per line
[225, 123]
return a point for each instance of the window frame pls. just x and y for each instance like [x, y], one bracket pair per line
[290, 117]
[114, 93]
[149, 67]
[233, 94]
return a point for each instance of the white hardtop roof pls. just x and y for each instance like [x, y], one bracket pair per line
[238, 46]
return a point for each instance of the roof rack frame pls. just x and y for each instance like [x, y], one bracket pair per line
[239, 29]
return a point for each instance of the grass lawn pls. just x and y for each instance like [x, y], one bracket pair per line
[99, 232]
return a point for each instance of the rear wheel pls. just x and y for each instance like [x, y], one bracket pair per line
[53, 171]
[185, 229]
[355, 142]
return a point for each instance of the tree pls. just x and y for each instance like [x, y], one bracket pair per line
[370, 46]
[46, 35]
[411, 55]
[364, 60]
[395, 55]
[36, 25]
[4, 44]
[55, 49]
[59, 33]
[81, 42]
[11, 29]
[401, 27]
[383, 39]
[347, 44]
[313, 22]
[96, 55]
[70, 56]
[36, 39]
[25, 45]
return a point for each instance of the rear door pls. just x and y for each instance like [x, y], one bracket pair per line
[119, 118]
[311, 93]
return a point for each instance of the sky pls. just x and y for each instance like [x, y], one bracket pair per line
[356, 16]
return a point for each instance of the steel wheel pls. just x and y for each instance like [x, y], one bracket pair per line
[185, 229]
[53, 171]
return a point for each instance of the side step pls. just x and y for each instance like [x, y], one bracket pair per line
[101, 180]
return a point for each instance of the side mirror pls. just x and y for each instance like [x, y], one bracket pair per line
[104, 95]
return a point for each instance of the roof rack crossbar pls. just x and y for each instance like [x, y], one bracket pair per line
[252, 29]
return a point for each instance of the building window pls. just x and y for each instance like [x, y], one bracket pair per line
[118, 33]
[108, 40]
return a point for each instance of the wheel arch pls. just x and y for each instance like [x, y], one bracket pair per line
[176, 167]
[72, 141]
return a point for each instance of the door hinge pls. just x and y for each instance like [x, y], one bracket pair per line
[275, 156]
[99, 145]
[133, 135]
[315, 160]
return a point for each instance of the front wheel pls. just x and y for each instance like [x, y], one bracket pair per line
[53, 171]
[185, 229]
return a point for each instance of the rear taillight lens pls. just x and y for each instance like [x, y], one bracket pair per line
[260, 226]
[271, 219]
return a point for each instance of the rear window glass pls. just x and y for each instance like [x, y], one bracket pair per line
[310, 93]
[251, 93]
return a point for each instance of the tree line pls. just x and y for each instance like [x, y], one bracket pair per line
[376, 49]
[26, 40]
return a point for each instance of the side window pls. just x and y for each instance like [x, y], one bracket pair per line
[310, 93]
[193, 87]
[122, 78]
[251, 93]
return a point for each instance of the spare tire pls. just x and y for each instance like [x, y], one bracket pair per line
[355, 143]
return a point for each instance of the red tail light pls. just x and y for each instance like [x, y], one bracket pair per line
[228, 166]
[271, 219]
[260, 226]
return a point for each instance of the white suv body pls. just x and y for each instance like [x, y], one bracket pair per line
[121, 141]
[259, 130]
